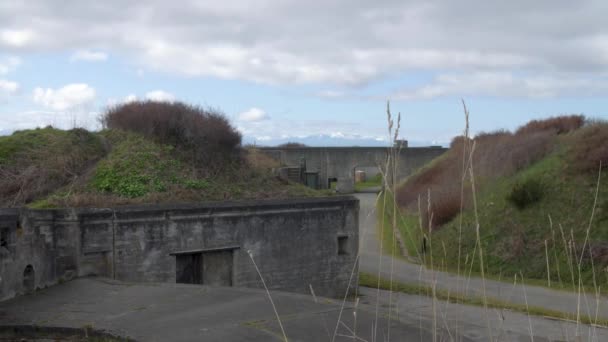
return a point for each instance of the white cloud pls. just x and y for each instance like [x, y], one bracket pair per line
[89, 56]
[8, 87]
[253, 115]
[331, 94]
[16, 38]
[9, 64]
[160, 96]
[67, 97]
[130, 98]
[507, 84]
[127, 99]
[347, 43]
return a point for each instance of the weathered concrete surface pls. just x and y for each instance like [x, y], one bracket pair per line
[180, 312]
[372, 261]
[294, 243]
[477, 324]
[341, 162]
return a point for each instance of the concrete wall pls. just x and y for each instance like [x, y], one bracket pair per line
[294, 243]
[340, 162]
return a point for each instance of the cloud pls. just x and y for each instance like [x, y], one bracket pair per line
[89, 56]
[253, 115]
[8, 64]
[127, 99]
[160, 96]
[348, 43]
[8, 87]
[507, 84]
[16, 38]
[65, 98]
[331, 94]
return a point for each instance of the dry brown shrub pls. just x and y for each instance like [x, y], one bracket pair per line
[57, 158]
[444, 208]
[291, 144]
[260, 160]
[497, 154]
[590, 148]
[559, 125]
[205, 133]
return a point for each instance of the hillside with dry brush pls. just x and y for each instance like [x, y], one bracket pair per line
[148, 152]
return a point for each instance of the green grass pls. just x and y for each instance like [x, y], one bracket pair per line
[513, 234]
[48, 142]
[513, 237]
[372, 182]
[372, 281]
[137, 166]
[136, 170]
[407, 225]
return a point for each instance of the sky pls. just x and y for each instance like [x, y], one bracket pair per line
[287, 70]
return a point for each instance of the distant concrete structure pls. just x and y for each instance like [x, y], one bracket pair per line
[339, 164]
[296, 243]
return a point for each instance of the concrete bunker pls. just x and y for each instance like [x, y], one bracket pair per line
[199, 243]
[338, 164]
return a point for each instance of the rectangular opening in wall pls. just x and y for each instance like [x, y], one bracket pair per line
[4, 237]
[188, 268]
[342, 245]
[207, 267]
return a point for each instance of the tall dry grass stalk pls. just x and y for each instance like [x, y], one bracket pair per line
[467, 261]
[269, 296]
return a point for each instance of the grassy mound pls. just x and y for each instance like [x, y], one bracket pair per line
[151, 153]
[534, 209]
[34, 163]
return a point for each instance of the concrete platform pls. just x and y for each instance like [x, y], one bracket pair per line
[179, 312]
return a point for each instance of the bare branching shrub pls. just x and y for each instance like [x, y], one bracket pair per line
[590, 148]
[444, 207]
[558, 125]
[204, 133]
[497, 154]
[37, 162]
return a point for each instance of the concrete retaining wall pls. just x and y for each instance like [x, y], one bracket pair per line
[295, 243]
[341, 162]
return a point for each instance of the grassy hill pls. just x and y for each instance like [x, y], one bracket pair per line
[534, 202]
[136, 163]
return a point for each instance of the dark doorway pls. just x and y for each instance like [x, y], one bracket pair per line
[207, 268]
[29, 279]
[188, 269]
[331, 183]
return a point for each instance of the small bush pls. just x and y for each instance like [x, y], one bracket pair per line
[525, 193]
[205, 135]
[292, 144]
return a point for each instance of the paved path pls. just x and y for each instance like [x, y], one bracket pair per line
[372, 260]
[180, 312]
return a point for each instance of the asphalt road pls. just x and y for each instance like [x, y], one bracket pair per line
[373, 261]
